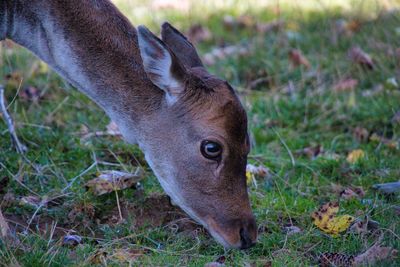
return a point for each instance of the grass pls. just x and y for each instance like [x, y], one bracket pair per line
[282, 122]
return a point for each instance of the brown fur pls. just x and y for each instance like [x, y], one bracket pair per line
[107, 65]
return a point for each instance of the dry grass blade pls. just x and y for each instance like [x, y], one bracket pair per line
[10, 124]
[358, 56]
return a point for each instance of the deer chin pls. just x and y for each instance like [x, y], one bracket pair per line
[209, 223]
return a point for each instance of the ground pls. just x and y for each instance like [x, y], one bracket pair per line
[312, 97]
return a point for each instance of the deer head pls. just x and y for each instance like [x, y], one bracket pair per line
[196, 142]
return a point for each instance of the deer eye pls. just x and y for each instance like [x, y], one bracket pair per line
[211, 149]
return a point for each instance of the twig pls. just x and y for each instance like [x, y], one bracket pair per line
[21, 149]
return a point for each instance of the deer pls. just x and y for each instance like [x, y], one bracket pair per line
[190, 124]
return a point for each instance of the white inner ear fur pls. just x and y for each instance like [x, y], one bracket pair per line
[158, 68]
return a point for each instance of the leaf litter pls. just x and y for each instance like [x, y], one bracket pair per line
[326, 219]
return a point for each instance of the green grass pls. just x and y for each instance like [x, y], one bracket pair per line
[281, 122]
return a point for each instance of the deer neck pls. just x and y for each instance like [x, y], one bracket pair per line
[90, 44]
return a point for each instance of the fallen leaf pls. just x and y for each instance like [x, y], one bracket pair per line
[360, 134]
[127, 255]
[229, 22]
[390, 143]
[355, 192]
[30, 93]
[259, 83]
[311, 152]
[355, 155]
[33, 201]
[242, 22]
[112, 130]
[221, 53]
[71, 240]
[270, 26]
[347, 84]
[297, 59]
[252, 172]
[292, 229]
[109, 181]
[358, 56]
[198, 33]
[14, 79]
[99, 257]
[326, 220]
[374, 254]
[364, 226]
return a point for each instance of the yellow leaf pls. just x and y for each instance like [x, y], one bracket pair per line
[326, 220]
[355, 155]
[249, 177]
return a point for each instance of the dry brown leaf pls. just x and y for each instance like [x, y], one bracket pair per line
[311, 152]
[221, 53]
[361, 134]
[354, 192]
[33, 201]
[198, 33]
[364, 226]
[14, 79]
[292, 229]
[270, 26]
[374, 254]
[127, 255]
[30, 93]
[179, 5]
[358, 56]
[243, 22]
[99, 257]
[297, 59]
[390, 143]
[252, 172]
[347, 84]
[109, 181]
[112, 130]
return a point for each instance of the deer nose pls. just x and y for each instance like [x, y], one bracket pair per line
[248, 234]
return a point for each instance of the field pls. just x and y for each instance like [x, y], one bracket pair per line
[319, 80]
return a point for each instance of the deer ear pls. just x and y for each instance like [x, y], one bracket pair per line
[161, 65]
[180, 45]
